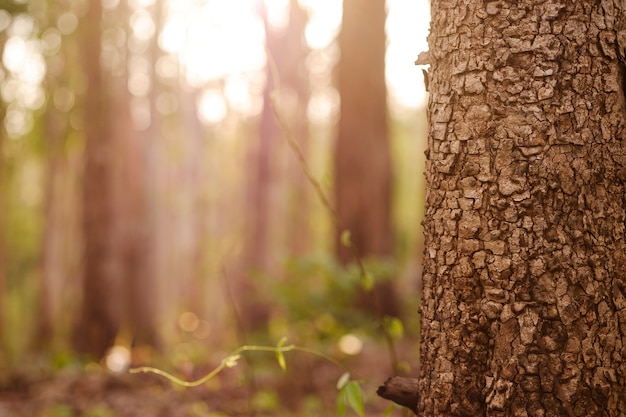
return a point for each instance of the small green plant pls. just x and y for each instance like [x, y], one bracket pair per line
[232, 360]
[350, 392]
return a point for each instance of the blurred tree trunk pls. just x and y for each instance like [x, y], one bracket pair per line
[2, 231]
[3, 270]
[50, 296]
[192, 214]
[524, 298]
[138, 284]
[102, 304]
[145, 298]
[253, 308]
[287, 52]
[132, 195]
[362, 154]
[294, 77]
[57, 232]
[119, 294]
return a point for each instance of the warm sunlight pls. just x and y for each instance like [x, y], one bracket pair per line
[225, 39]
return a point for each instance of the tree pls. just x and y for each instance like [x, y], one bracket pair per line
[120, 299]
[362, 154]
[102, 303]
[286, 75]
[524, 282]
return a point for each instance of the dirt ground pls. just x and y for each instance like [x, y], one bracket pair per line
[308, 388]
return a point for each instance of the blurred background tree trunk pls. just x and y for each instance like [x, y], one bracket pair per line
[286, 77]
[3, 265]
[132, 195]
[53, 256]
[102, 303]
[294, 79]
[363, 171]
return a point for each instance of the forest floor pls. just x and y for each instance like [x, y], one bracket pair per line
[306, 388]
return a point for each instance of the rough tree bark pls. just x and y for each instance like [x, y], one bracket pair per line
[362, 154]
[524, 297]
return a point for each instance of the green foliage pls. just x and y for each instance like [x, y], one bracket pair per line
[231, 361]
[351, 394]
[265, 401]
[393, 327]
[317, 296]
[390, 409]
[280, 355]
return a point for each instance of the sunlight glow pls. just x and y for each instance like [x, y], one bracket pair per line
[142, 25]
[350, 344]
[277, 13]
[214, 45]
[324, 22]
[214, 40]
[407, 28]
[26, 69]
[240, 98]
[212, 108]
[324, 106]
[23, 58]
[118, 359]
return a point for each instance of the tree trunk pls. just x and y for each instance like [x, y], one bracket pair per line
[294, 77]
[52, 268]
[3, 280]
[102, 305]
[524, 298]
[362, 155]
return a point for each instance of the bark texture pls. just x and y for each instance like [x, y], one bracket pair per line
[524, 298]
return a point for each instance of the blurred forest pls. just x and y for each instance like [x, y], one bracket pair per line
[155, 204]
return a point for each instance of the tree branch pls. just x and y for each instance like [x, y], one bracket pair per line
[400, 390]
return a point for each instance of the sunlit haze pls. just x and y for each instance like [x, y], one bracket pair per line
[217, 46]
[225, 40]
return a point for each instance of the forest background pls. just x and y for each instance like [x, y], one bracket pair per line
[153, 210]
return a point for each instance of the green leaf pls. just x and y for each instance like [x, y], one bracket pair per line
[355, 397]
[389, 409]
[280, 356]
[343, 380]
[341, 403]
[393, 327]
[345, 238]
[281, 360]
